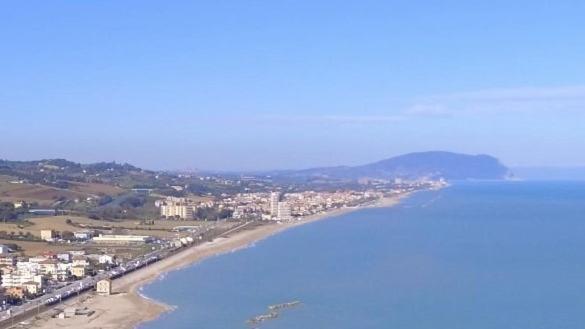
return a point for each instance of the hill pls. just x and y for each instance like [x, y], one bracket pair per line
[434, 164]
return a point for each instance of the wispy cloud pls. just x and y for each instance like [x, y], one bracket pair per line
[554, 100]
[568, 99]
[332, 119]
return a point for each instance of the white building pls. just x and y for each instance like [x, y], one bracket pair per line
[176, 207]
[4, 249]
[106, 259]
[274, 199]
[18, 279]
[123, 239]
[83, 235]
[104, 287]
[47, 235]
[283, 212]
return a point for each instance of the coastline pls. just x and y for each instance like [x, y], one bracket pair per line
[128, 307]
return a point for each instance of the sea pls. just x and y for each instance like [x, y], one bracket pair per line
[497, 255]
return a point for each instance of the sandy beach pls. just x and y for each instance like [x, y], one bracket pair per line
[127, 308]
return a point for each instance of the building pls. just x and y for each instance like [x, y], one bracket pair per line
[18, 279]
[106, 259]
[8, 260]
[122, 239]
[47, 235]
[19, 204]
[78, 271]
[283, 212]
[32, 288]
[4, 249]
[83, 235]
[43, 212]
[104, 287]
[80, 260]
[15, 293]
[64, 257]
[48, 268]
[274, 199]
[176, 208]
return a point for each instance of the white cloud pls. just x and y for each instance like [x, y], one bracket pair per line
[334, 119]
[568, 99]
[553, 100]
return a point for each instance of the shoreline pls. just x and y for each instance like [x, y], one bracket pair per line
[128, 307]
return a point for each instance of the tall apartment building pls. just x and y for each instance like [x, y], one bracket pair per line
[283, 211]
[274, 199]
[176, 207]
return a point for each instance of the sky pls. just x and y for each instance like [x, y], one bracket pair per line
[251, 85]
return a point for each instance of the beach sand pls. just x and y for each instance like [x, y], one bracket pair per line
[126, 307]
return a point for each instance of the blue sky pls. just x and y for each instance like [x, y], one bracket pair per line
[291, 84]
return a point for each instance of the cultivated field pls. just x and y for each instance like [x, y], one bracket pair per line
[95, 188]
[34, 193]
[46, 195]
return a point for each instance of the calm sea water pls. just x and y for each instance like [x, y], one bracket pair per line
[473, 256]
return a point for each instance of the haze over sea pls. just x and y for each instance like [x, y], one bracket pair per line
[472, 256]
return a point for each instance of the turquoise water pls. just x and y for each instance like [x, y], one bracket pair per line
[482, 255]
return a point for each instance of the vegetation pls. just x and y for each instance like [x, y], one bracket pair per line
[9, 213]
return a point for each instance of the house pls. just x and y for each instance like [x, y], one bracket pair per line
[15, 293]
[37, 259]
[47, 235]
[32, 288]
[18, 279]
[106, 259]
[78, 271]
[104, 287]
[8, 260]
[7, 269]
[64, 257]
[19, 204]
[48, 268]
[83, 235]
[80, 261]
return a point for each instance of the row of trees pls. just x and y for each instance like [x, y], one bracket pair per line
[9, 213]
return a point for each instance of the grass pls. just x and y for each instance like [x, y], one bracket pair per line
[95, 188]
[31, 248]
[160, 229]
[46, 195]
[34, 193]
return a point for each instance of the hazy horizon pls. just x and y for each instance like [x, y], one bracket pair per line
[289, 85]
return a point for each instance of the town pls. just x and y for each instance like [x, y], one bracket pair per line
[47, 256]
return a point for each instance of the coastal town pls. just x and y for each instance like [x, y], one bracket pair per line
[76, 255]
